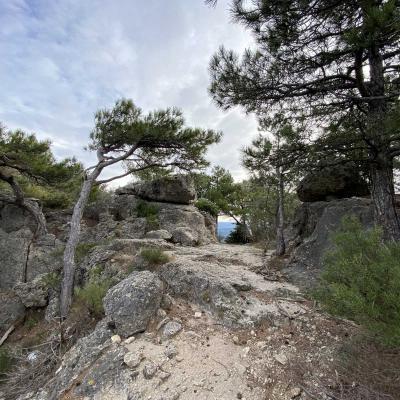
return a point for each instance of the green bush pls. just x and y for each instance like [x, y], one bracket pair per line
[207, 206]
[92, 294]
[6, 360]
[361, 280]
[237, 235]
[82, 250]
[145, 209]
[154, 256]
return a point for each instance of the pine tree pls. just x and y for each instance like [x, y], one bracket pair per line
[325, 61]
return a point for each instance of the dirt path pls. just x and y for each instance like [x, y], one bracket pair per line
[267, 342]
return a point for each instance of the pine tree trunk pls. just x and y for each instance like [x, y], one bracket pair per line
[69, 266]
[280, 221]
[383, 198]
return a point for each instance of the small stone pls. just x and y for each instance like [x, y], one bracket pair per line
[129, 340]
[179, 358]
[132, 360]
[116, 339]
[171, 328]
[171, 351]
[164, 375]
[235, 340]
[162, 323]
[161, 313]
[281, 358]
[149, 370]
[198, 314]
[295, 392]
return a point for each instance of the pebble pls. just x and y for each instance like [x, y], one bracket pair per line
[129, 340]
[116, 339]
[295, 392]
[171, 351]
[171, 328]
[281, 358]
[197, 314]
[132, 360]
[149, 370]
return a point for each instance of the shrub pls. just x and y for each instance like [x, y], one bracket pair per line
[92, 294]
[361, 280]
[154, 256]
[6, 360]
[207, 206]
[82, 250]
[237, 235]
[145, 209]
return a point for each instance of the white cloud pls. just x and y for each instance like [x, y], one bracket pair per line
[63, 60]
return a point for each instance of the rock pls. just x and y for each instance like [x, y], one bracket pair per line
[310, 235]
[281, 358]
[34, 293]
[159, 234]
[129, 340]
[171, 329]
[133, 360]
[133, 302]
[149, 369]
[294, 392]
[177, 189]
[198, 314]
[53, 309]
[171, 351]
[184, 236]
[116, 339]
[167, 301]
[81, 356]
[11, 309]
[335, 182]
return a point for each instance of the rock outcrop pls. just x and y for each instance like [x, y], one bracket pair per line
[133, 302]
[309, 234]
[177, 189]
[335, 182]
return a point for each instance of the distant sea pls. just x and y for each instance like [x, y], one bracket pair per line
[225, 228]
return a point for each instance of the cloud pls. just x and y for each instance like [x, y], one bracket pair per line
[63, 60]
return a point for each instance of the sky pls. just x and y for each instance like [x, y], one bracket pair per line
[62, 60]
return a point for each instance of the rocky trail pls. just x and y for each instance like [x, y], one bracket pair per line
[223, 332]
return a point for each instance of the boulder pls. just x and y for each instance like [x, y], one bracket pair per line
[159, 234]
[33, 293]
[309, 235]
[11, 309]
[335, 182]
[177, 189]
[133, 302]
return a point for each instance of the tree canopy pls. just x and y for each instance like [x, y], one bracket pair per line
[324, 62]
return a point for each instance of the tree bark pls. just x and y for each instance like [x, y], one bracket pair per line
[280, 220]
[382, 194]
[32, 206]
[381, 166]
[67, 285]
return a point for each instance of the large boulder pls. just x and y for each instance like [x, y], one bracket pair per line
[335, 182]
[310, 234]
[133, 302]
[11, 309]
[34, 293]
[177, 189]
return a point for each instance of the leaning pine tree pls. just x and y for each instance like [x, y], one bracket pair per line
[123, 134]
[324, 60]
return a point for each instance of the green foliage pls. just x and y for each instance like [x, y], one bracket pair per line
[145, 209]
[208, 206]
[6, 360]
[361, 280]
[154, 256]
[238, 235]
[92, 294]
[82, 250]
[52, 280]
[31, 322]
[31, 162]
